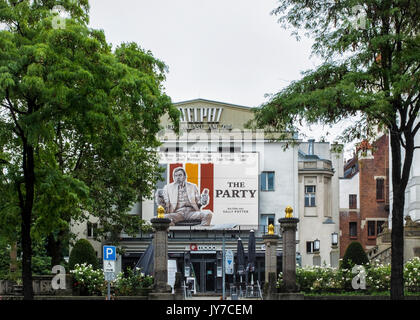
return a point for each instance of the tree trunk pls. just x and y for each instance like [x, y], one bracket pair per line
[397, 245]
[27, 256]
[55, 247]
[29, 172]
[399, 184]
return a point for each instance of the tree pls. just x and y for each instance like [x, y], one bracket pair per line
[83, 252]
[76, 121]
[354, 255]
[370, 70]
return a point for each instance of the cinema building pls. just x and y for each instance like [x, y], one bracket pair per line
[237, 180]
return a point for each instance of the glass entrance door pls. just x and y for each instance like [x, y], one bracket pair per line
[205, 274]
[210, 275]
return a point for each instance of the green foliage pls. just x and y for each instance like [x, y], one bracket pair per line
[4, 259]
[412, 275]
[78, 123]
[379, 277]
[83, 253]
[325, 280]
[41, 262]
[354, 255]
[370, 73]
[128, 284]
[88, 280]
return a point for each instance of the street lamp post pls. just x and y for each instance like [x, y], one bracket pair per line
[223, 266]
[224, 227]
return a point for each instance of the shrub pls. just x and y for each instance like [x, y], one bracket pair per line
[87, 279]
[378, 277]
[4, 260]
[83, 252]
[315, 279]
[129, 283]
[412, 275]
[354, 255]
[41, 262]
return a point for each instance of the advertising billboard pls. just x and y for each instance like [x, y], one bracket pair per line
[210, 188]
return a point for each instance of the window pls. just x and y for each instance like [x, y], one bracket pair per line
[353, 229]
[371, 228]
[309, 247]
[380, 189]
[265, 221]
[375, 228]
[379, 227]
[92, 229]
[310, 196]
[267, 181]
[353, 201]
[230, 149]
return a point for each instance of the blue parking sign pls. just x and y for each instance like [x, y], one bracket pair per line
[110, 253]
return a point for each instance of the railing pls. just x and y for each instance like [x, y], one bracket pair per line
[246, 291]
[383, 256]
[206, 232]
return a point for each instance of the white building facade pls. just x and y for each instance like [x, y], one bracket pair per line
[250, 179]
[412, 192]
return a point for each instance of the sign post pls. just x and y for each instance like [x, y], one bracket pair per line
[224, 227]
[229, 262]
[109, 257]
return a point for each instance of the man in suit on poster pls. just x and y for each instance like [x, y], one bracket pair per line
[182, 200]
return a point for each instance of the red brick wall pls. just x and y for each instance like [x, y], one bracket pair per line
[369, 206]
[345, 218]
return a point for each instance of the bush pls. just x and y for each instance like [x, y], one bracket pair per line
[316, 279]
[41, 262]
[88, 280]
[354, 255]
[378, 279]
[83, 253]
[4, 260]
[412, 275]
[129, 284]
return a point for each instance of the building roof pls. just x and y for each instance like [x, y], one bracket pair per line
[212, 101]
[351, 168]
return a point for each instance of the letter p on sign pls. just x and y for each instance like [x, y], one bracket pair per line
[109, 253]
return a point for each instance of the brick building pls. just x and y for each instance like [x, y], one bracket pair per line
[364, 194]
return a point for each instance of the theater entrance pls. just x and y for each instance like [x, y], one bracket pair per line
[204, 269]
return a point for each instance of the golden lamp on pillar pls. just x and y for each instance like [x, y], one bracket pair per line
[289, 212]
[161, 212]
[271, 229]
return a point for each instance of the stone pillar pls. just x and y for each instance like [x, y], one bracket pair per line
[289, 227]
[270, 241]
[178, 287]
[160, 244]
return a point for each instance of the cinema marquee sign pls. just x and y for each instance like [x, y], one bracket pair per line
[199, 115]
[201, 118]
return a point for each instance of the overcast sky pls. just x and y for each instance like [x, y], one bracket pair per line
[231, 51]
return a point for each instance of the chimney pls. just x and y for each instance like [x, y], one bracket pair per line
[311, 147]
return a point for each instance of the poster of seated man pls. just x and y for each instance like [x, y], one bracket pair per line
[182, 200]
